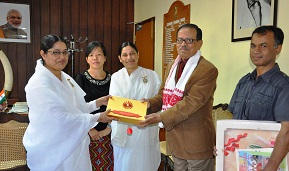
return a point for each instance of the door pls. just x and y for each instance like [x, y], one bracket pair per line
[145, 42]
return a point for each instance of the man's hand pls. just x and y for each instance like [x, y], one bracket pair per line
[104, 118]
[281, 148]
[215, 151]
[102, 100]
[150, 119]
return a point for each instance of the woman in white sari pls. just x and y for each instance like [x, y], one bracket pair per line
[139, 150]
[57, 136]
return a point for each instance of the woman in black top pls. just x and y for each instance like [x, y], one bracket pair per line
[95, 82]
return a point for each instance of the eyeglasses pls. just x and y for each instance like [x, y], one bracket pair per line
[187, 40]
[58, 53]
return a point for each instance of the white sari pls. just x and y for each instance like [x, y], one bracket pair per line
[139, 151]
[57, 135]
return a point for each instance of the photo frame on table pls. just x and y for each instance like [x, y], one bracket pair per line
[241, 141]
[249, 14]
[24, 9]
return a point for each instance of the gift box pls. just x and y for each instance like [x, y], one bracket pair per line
[127, 110]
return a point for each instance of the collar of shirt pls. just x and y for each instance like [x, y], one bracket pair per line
[185, 61]
[267, 75]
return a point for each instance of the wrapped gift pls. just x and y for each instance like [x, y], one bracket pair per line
[127, 110]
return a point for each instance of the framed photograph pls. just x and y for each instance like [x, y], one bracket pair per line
[15, 23]
[255, 159]
[243, 144]
[249, 14]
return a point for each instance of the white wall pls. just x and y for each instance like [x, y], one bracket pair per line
[214, 18]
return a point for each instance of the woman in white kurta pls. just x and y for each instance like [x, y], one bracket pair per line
[140, 150]
[57, 136]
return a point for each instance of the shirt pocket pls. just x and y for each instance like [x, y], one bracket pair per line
[260, 108]
[238, 106]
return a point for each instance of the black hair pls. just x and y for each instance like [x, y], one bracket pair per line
[48, 41]
[93, 45]
[278, 33]
[192, 26]
[125, 44]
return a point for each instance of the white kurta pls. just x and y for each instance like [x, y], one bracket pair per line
[57, 136]
[139, 151]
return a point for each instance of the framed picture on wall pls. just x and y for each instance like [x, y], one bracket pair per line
[249, 14]
[15, 23]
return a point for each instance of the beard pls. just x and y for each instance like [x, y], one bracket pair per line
[14, 25]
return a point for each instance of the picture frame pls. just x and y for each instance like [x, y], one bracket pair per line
[23, 34]
[250, 14]
[253, 137]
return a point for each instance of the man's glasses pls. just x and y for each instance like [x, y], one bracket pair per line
[187, 40]
[58, 53]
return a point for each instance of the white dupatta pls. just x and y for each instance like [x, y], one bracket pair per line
[173, 92]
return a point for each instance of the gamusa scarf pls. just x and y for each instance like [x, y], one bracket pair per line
[173, 92]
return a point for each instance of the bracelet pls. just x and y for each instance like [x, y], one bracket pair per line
[108, 125]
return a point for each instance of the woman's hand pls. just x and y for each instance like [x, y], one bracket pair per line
[103, 117]
[94, 134]
[102, 100]
[146, 100]
[105, 132]
[97, 135]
